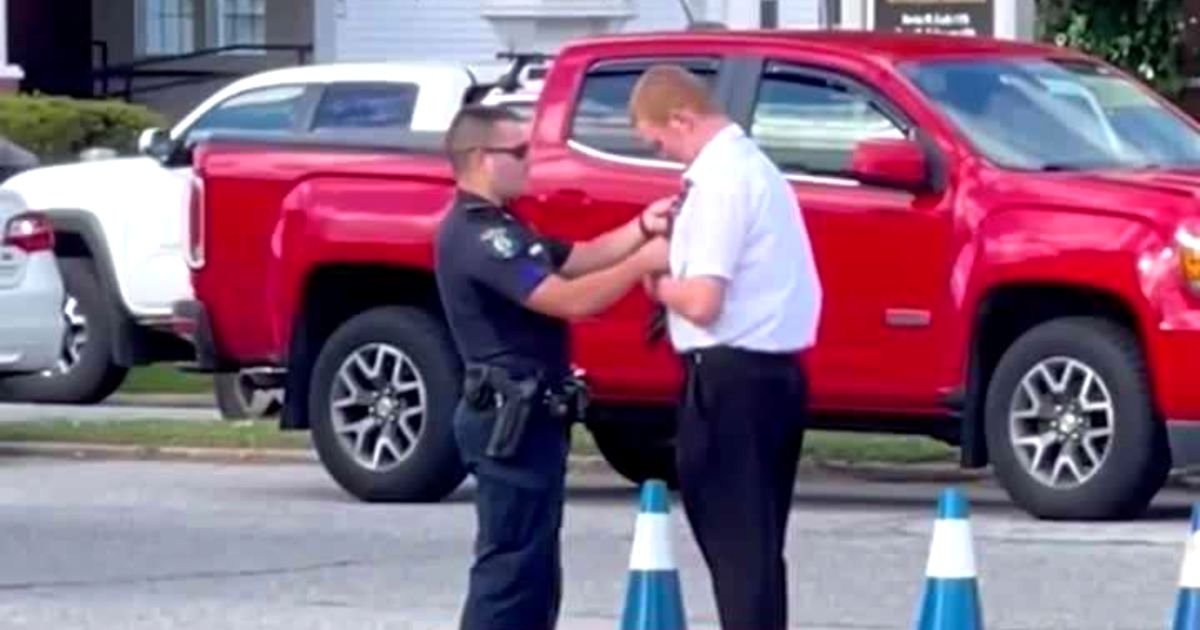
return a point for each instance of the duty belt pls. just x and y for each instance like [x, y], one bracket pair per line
[515, 398]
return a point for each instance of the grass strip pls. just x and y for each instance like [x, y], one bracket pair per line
[165, 379]
[824, 446]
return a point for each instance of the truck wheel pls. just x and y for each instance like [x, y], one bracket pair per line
[85, 373]
[1070, 422]
[384, 389]
[638, 452]
[240, 399]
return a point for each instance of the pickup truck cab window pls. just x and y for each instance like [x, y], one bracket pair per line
[1044, 114]
[809, 124]
[366, 106]
[601, 119]
[275, 108]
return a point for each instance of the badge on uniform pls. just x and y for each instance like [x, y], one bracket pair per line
[502, 244]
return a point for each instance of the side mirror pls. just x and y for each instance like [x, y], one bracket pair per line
[155, 143]
[892, 163]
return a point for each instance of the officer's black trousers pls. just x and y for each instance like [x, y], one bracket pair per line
[515, 580]
[741, 427]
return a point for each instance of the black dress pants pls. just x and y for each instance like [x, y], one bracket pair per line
[741, 428]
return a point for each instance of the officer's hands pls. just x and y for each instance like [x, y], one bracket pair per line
[658, 216]
[650, 283]
[653, 256]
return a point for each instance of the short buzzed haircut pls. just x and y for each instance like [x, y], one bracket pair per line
[473, 128]
[664, 88]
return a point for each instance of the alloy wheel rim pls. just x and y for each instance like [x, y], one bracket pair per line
[378, 406]
[1061, 421]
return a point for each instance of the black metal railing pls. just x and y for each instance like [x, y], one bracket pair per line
[120, 80]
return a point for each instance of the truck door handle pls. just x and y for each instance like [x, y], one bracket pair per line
[569, 197]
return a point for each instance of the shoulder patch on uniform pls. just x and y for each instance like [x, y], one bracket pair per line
[500, 241]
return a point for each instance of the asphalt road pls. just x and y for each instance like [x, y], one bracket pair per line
[133, 545]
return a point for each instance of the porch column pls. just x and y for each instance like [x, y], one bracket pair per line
[10, 75]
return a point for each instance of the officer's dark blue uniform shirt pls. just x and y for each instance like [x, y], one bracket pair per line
[488, 262]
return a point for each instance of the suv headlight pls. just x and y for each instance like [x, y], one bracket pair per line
[1187, 238]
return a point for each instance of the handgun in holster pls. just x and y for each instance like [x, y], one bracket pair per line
[512, 400]
[570, 400]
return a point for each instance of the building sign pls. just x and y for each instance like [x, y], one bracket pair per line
[951, 17]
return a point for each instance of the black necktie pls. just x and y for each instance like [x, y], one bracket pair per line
[657, 326]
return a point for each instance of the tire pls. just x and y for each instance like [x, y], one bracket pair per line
[638, 451]
[430, 467]
[238, 399]
[87, 373]
[1133, 461]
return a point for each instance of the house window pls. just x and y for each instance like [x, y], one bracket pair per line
[169, 27]
[242, 22]
[768, 12]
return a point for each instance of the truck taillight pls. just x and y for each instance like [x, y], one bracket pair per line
[1188, 241]
[30, 231]
[195, 223]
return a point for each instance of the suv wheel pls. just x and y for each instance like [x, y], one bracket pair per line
[384, 390]
[85, 372]
[1070, 422]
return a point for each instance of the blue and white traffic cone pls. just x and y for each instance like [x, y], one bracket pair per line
[653, 600]
[1187, 604]
[951, 597]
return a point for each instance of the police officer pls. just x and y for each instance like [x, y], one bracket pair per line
[743, 301]
[507, 291]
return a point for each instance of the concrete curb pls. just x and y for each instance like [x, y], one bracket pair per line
[882, 472]
[206, 401]
[577, 463]
[873, 472]
[70, 450]
[73, 450]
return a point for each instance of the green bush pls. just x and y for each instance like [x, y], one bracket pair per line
[56, 129]
[1143, 37]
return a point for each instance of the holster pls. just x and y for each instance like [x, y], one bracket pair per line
[511, 399]
[515, 399]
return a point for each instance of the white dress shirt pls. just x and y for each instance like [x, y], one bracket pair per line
[741, 222]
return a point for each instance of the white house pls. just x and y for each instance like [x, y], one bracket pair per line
[171, 53]
[473, 29]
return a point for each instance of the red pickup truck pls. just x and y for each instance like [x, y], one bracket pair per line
[1008, 237]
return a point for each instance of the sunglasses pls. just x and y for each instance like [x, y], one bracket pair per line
[518, 152]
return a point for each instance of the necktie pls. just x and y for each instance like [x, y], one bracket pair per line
[657, 326]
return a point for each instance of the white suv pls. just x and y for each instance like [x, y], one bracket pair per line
[31, 291]
[120, 222]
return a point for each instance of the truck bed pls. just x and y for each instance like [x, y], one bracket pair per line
[293, 206]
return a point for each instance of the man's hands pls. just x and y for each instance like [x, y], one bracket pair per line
[697, 299]
[605, 250]
[657, 218]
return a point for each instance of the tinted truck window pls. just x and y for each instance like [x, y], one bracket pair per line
[809, 125]
[366, 106]
[261, 109]
[601, 119]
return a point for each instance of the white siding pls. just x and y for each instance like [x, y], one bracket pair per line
[452, 30]
[378, 30]
[799, 13]
[658, 15]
